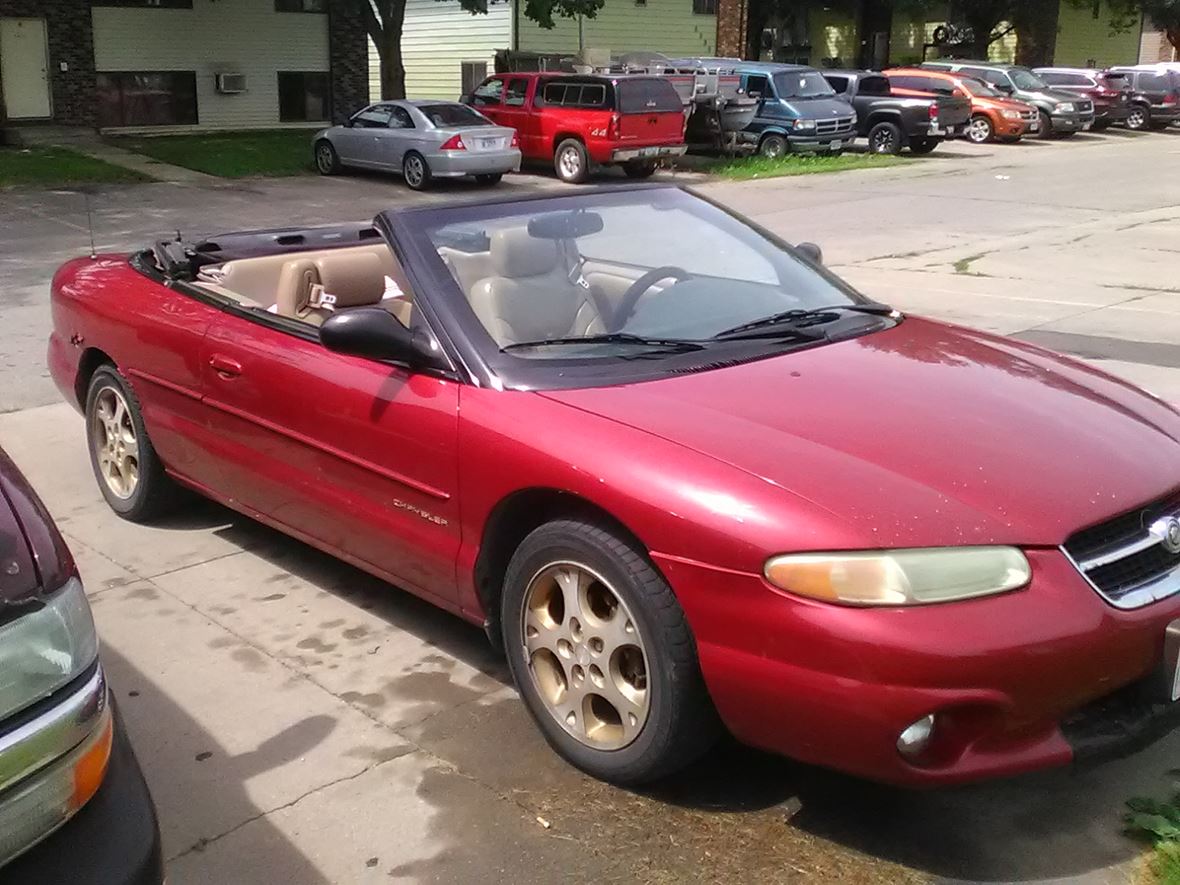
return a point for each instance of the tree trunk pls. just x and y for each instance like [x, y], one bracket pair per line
[983, 17]
[1036, 33]
[393, 69]
[1173, 35]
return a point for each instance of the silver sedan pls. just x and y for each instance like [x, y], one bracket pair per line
[422, 139]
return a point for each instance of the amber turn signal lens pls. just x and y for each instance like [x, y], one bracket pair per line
[91, 768]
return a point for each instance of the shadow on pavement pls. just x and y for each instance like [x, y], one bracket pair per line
[181, 785]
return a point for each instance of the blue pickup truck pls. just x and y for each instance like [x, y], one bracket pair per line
[797, 111]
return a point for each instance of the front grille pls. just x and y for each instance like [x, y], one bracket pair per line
[1030, 114]
[832, 127]
[1125, 560]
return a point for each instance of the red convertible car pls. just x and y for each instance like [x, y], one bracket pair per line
[687, 477]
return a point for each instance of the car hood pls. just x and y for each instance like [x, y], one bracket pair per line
[924, 434]
[999, 104]
[818, 108]
[1052, 95]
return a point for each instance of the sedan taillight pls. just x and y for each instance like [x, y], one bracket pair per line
[454, 143]
[515, 140]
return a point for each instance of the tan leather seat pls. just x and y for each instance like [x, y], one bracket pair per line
[530, 296]
[354, 280]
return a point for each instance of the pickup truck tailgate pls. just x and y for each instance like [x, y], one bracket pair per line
[953, 112]
[650, 112]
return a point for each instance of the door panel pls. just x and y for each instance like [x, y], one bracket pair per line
[359, 455]
[24, 68]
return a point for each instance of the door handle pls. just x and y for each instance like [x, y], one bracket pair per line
[224, 366]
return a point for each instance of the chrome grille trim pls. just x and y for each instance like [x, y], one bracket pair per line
[1140, 549]
[831, 127]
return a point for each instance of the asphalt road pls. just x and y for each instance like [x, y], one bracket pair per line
[303, 723]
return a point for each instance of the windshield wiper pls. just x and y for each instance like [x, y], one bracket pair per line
[679, 345]
[800, 318]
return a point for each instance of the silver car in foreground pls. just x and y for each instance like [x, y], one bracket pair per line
[422, 139]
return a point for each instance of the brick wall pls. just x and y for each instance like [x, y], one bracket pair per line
[731, 28]
[348, 58]
[68, 29]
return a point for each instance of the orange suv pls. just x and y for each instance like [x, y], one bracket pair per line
[994, 116]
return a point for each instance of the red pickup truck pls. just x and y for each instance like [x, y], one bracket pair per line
[575, 120]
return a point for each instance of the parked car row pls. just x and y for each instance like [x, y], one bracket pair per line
[578, 121]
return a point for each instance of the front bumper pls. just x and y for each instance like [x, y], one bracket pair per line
[811, 143]
[114, 839]
[453, 164]
[1008, 677]
[1072, 122]
[652, 152]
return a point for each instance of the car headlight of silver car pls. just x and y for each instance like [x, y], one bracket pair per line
[1065, 107]
[805, 124]
[44, 649]
[917, 576]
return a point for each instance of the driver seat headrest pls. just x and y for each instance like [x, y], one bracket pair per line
[516, 255]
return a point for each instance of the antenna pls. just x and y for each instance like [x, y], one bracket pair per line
[90, 225]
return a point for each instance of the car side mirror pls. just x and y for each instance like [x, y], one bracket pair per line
[375, 333]
[811, 252]
[1006, 88]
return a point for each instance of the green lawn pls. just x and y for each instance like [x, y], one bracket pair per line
[743, 168]
[230, 154]
[1158, 823]
[54, 166]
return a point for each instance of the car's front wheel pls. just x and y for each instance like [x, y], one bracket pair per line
[129, 473]
[602, 654]
[327, 161]
[1139, 118]
[416, 171]
[1045, 130]
[980, 129]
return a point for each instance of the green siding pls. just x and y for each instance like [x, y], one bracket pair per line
[667, 26]
[1084, 34]
[833, 35]
[910, 32]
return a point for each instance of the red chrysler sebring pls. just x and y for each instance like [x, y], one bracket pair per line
[682, 473]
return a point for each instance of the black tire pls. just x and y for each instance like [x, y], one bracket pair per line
[980, 130]
[416, 171]
[1046, 131]
[774, 146]
[680, 722]
[327, 161]
[489, 178]
[639, 168]
[1138, 118]
[922, 146]
[885, 138]
[154, 492]
[571, 162]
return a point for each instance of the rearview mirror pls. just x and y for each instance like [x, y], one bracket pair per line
[375, 333]
[811, 252]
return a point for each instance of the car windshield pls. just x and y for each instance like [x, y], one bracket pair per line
[447, 115]
[979, 88]
[1022, 78]
[801, 84]
[648, 273]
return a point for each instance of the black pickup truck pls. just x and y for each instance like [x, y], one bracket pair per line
[891, 122]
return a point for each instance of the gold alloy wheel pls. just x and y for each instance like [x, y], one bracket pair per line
[585, 656]
[116, 446]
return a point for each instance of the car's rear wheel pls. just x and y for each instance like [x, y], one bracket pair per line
[640, 168]
[1139, 118]
[489, 178]
[923, 145]
[129, 473]
[416, 171]
[774, 146]
[885, 138]
[980, 129]
[327, 161]
[602, 654]
[571, 162]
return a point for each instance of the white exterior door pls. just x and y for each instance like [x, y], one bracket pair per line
[24, 67]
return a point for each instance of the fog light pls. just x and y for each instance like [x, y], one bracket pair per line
[915, 739]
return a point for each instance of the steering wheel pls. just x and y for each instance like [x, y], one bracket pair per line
[637, 289]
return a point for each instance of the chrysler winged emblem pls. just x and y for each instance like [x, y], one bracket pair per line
[1167, 529]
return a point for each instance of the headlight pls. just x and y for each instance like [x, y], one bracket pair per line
[900, 577]
[1011, 115]
[44, 649]
[805, 124]
[1065, 107]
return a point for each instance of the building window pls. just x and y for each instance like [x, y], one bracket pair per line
[303, 96]
[147, 98]
[146, 4]
[473, 73]
[704, 7]
[301, 5]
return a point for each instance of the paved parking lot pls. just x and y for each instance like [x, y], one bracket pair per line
[300, 722]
